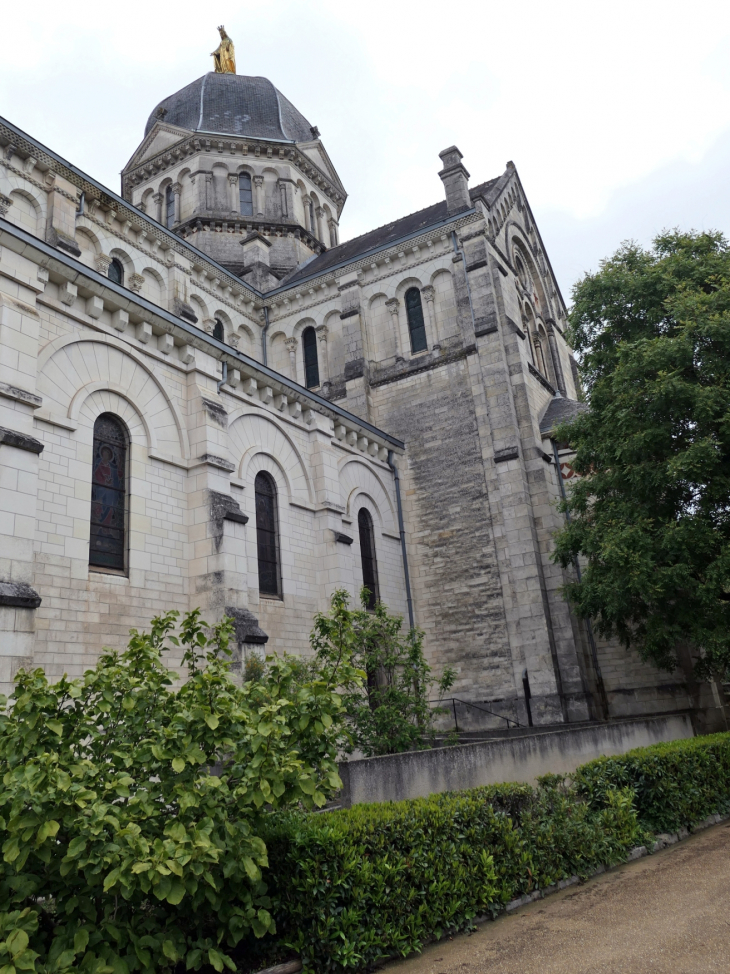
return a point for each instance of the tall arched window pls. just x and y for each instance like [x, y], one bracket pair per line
[116, 271]
[367, 556]
[169, 207]
[218, 332]
[311, 365]
[416, 324]
[245, 194]
[107, 547]
[267, 534]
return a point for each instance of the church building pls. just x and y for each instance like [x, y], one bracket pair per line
[207, 399]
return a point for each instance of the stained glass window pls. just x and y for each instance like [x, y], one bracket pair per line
[245, 194]
[267, 534]
[108, 494]
[169, 207]
[311, 365]
[416, 324]
[367, 556]
[116, 271]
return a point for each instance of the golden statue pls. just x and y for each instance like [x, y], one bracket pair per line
[225, 55]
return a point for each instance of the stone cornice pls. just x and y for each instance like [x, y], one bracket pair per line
[170, 156]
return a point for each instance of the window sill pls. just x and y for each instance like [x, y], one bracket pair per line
[270, 598]
[118, 573]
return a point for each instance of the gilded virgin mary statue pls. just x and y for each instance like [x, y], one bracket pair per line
[225, 55]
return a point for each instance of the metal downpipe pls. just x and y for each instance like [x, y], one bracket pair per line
[402, 530]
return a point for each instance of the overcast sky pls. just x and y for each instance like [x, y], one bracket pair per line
[616, 114]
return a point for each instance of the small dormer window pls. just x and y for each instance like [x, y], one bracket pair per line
[169, 207]
[245, 194]
[116, 271]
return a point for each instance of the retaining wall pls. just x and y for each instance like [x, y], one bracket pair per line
[420, 773]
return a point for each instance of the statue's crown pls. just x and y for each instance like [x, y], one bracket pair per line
[221, 27]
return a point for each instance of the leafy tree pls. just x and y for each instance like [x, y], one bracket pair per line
[386, 699]
[651, 514]
[130, 810]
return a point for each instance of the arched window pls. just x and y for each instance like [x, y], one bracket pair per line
[367, 556]
[116, 271]
[311, 365]
[218, 332]
[416, 324]
[267, 534]
[108, 494]
[245, 194]
[169, 207]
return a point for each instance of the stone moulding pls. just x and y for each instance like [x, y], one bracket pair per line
[21, 441]
[341, 538]
[18, 595]
[246, 626]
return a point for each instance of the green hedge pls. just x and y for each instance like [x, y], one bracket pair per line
[675, 784]
[352, 887]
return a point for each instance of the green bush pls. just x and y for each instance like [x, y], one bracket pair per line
[351, 887]
[131, 810]
[675, 784]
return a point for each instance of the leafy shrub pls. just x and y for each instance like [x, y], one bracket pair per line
[386, 699]
[675, 784]
[351, 887]
[131, 813]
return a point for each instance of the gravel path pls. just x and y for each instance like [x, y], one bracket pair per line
[666, 914]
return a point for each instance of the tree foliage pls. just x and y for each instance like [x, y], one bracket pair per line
[386, 695]
[131, 809]
[651, 514]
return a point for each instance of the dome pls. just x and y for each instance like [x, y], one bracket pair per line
[233, 104]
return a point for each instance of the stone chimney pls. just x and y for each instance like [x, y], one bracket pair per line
[456, 181]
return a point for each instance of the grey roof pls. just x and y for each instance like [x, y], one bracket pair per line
[234, 104]
[559, 411]
[406, 226]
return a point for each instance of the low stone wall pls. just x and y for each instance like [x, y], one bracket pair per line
[420, 773]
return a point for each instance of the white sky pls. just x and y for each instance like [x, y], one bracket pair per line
[617, 114]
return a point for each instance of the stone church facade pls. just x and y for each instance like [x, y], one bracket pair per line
[207, 400]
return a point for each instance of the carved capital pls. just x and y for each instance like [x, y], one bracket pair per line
[291, 344]
[5, 204]
[135, 283]
[392, 305]
[429, 293]
[233, 340]
[208, 325]
[233, 178]
[102, 262]
[157, 197]
[177, 188]
[258, 180]
[321, 332]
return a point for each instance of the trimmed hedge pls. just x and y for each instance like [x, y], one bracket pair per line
[352, 887]
[675, 784]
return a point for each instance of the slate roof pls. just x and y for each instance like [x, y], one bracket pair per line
[559, 411]
[234, 104]
[373, 240]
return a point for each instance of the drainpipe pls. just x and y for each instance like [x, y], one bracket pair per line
[263, 334]
[82, 202]
[224, 374]
[401, 528]
[589, 627]
[458, 250]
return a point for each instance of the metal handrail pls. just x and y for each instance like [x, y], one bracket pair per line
[469, 703]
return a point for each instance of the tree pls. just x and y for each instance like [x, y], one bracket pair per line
[130, 810]
[651, 515]
[386, 699]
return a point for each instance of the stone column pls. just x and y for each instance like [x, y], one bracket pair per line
[333, 233]
[555, 354]
[258, 182]
[323, 362]
[157, 200]
[429, 294]
[235, 199]
[283, 206]
[177, 190]
[320, 224]
[392, 306]
[307, 204]
[291, 345]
